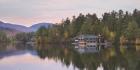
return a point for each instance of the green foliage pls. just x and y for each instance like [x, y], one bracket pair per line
[131, 30]
[42, 31]
[112, 26]
[41, 35]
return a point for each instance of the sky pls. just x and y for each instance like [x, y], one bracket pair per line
[29, 12]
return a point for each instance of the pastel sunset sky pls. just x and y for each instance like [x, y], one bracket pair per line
[29, 12]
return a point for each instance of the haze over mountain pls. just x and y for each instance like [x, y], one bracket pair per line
[20, 28]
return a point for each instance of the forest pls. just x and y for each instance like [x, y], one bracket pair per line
[116, 26]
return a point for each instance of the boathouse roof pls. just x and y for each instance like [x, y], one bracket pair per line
[86, 36]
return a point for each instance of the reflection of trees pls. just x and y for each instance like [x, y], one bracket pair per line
[22, 46]
[110, 58]
[68, 56]
[3, 46]
[15, 46]
[113, 59]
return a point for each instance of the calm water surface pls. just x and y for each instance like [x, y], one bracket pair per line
[22, 57]
[27, 60]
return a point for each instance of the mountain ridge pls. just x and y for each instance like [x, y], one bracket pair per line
[22, 28]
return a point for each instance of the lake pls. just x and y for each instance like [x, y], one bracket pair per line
[62, 57]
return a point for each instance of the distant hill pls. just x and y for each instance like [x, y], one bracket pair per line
[35, 27]
[14, 27]
[9, 32]
[19, 28]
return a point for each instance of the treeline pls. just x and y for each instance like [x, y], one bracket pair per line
[3, 37]
[22, 37]
[116, 26]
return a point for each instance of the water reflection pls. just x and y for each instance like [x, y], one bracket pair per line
[23, 58]
[29, 62]
[87, 50]
[44, 57]
[113, 58]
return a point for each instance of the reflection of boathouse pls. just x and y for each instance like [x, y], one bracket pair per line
[84, 41]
